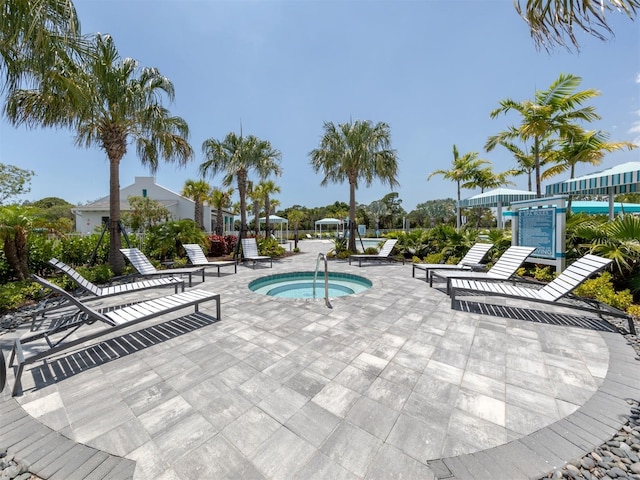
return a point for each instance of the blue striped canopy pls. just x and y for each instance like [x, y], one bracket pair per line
[494, 198]
[623, 178]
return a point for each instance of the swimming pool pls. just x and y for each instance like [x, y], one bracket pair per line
[300, 285]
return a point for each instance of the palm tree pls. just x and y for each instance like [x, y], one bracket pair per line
[109, 102]
[582, 147]
[198, 191]
[553, 111]
[462, 169]
[236, 156]
[550, 20]
[526, 162]
[220, 199]
[484, 178]
[377, 209]
[255, 194]
[355, 151]
[268, 188]
[33, 35]
[295, 217]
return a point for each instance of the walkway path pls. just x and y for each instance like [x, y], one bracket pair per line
[389, 382]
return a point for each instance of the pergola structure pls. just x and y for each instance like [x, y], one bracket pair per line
[623, 178]
[496, 199]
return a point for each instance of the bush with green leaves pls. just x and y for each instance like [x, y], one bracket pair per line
[165, 241]
[14, 295]
[601, 288]
[270, 247]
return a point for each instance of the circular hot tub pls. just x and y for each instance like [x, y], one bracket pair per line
[301, 285]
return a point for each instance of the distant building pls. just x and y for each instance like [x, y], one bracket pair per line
[91, 217]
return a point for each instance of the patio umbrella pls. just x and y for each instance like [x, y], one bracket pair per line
[496, 199]
[623, 178]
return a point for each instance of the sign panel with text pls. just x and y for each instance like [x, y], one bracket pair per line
[536, 228]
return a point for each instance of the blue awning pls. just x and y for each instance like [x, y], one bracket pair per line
[623, 178]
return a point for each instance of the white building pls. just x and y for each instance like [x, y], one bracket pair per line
[91, 217]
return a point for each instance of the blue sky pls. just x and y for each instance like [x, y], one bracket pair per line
[432, 70]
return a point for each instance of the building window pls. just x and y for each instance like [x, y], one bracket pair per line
[144, 193]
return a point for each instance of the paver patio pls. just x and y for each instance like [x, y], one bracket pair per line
[389, 383]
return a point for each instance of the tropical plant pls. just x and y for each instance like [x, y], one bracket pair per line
[109, 102]
[236, 156]
[33, 35]
[220, 199]
[617, 240]
[526, 162]
[165, 240]
[15, 222]
[463, 169]
[198, 191]
[267, 188]
[353, 152]
[551, 20]
[377, 209]
[295, 217]
[552, 111]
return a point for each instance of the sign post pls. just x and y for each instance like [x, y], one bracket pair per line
[541, 223]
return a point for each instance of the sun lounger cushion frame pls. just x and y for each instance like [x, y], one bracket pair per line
[551, 293]
[250, 252]
[383, 255]
[505, 268]
[199, 259]
[114, 319]
[146, 269]
[472, 260]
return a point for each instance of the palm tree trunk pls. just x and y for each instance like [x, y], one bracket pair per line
[11, 253]
[458, 210]
[536, 156]
[116, 261]
[352, 215]
[267, 208]
[242, 192]
[219, 227]
[198, 213]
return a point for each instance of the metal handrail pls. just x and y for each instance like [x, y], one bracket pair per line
[326, 279]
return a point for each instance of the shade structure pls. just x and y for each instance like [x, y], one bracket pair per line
[497, 199]
[327, 222]
[276, 220]
[623, 178]
[596, 208]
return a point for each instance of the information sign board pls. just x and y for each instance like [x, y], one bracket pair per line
[536, 228]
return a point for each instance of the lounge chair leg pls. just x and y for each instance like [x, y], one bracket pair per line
[453, 298]
[431, 280]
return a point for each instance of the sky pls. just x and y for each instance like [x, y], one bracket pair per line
[433, 70]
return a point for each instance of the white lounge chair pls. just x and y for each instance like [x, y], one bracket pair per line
[382, 255]
[506, 266]
[113, 319]
[552, 293]
[199, 259]
[472, 258]
[146, 269]
[117, 289]
[250, 252]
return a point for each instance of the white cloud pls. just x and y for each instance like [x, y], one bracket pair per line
[638, 78]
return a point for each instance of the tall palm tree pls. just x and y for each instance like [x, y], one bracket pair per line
[34, 34]
[526, 162]
[254, 192]
[377, 209]
[236, 156]
[355, 151]
[220, 199]
[109, 102]
[198, 191]
[268, 188]
[550, 20]
[462, 169]
[484, 178]
[552, 111]
[582, 146]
